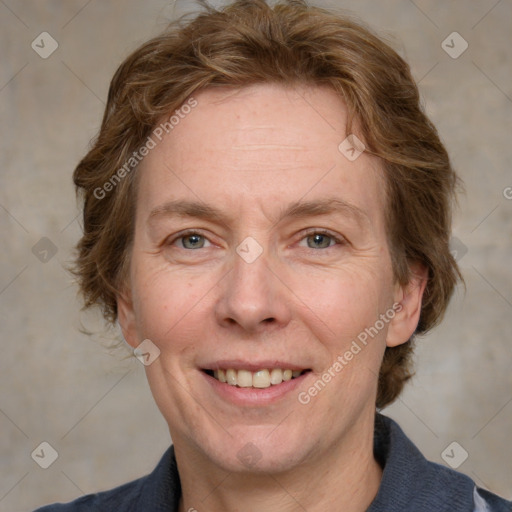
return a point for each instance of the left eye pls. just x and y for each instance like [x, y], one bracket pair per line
[192, 241]
[320, 240]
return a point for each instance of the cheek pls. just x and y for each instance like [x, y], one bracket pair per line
[345, 301]
[168, 301]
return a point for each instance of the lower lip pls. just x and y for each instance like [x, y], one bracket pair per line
[254, 396]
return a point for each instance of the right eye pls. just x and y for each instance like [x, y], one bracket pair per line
[191, 240]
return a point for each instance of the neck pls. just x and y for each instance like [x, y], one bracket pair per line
[345, 477]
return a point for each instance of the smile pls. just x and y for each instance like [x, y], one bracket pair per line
[260, 379]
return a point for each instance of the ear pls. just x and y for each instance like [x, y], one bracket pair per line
[126, 318]
[409, 297]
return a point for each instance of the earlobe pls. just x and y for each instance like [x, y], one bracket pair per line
[126, 319]
[409, 298]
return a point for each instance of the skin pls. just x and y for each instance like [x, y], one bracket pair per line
[250, 154]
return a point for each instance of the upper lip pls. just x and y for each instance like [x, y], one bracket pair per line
[252, 366]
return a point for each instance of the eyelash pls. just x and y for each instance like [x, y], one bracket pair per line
[185, 234]
[313, 231]
[338, 240]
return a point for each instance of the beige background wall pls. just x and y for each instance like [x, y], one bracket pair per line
[93, 405]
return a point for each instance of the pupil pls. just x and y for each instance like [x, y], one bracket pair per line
[320, 241]
[193, 240]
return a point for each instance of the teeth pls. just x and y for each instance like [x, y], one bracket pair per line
[276, 376]
[261, 379]
[231, 377]
[244, 379]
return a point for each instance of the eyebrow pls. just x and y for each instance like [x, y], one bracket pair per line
[296, 210]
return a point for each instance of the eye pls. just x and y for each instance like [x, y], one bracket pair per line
[320, 240]
[191, 240]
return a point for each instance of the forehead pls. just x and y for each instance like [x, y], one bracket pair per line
[260, 147]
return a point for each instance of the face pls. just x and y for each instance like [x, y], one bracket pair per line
[260, 253]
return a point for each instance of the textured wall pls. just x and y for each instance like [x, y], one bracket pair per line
[91, 404]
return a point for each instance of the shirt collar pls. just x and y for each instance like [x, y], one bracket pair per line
[409, 481]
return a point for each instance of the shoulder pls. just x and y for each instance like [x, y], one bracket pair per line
[410, 482]
[158, 491]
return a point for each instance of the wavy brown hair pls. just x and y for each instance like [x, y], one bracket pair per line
[290, 43]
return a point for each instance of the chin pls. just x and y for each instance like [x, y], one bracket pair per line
[254, 454]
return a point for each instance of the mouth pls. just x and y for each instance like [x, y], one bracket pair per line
[260, 379]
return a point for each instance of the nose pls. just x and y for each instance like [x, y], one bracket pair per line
[253, 297]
